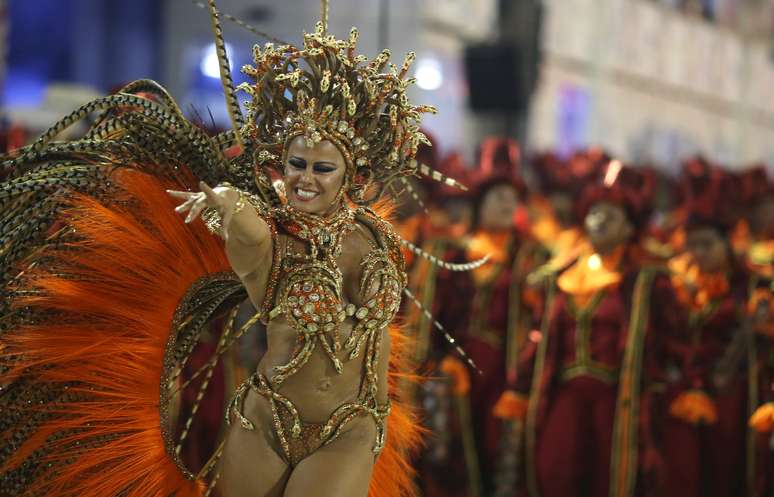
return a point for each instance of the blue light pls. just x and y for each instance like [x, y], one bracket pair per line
[209, 65]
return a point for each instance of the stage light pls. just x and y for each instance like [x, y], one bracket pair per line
[209, 64]
[429, 73]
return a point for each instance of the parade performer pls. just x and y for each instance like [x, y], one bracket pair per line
[587, 379]
[554, 220]
[442, 399]
[704, 432]
[758, 197]
[106, 291]
[494, 307]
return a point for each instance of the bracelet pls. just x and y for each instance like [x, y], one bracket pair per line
[240, 203]
[212, 220]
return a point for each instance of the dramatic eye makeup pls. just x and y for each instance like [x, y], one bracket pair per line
[319, 167]
[297, 163]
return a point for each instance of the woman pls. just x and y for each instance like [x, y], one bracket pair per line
[705, 431]
[586, 381]
[107, 266]
[490, 321]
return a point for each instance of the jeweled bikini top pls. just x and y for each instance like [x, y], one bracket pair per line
[306, 288]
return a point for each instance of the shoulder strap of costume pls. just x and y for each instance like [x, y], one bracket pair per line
[537, 389]
[625, 450]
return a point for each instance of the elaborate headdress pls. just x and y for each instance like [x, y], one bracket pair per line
[499, 161]
[709, 195]
[629, 187]
[324, 91]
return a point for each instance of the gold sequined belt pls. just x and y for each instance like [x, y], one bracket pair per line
[299, 439]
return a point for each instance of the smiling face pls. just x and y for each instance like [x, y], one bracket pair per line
[607, 226]
[313, 176]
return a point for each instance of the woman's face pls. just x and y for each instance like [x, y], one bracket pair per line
[313, 176]
[497, 207]
[708, 249]
[607, 226]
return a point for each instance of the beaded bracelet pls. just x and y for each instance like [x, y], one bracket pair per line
[212, 218]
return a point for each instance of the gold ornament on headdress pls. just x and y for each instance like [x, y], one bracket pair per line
[325, 92]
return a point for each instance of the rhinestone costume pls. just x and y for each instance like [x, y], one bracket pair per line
[306, 289]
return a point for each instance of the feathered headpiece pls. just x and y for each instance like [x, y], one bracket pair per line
[323, 91]
[631, 188]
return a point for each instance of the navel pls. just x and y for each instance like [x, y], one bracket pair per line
[324, 385]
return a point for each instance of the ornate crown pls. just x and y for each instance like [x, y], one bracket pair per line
[326, 92]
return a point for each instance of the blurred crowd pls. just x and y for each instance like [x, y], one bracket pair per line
[621, 332]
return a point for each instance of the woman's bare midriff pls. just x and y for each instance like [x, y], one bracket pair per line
[316, 389]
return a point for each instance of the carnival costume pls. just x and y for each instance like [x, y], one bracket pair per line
[106, 292]
[587, 382]
[706, 398]
[757, 190]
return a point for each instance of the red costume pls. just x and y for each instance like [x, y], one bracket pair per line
[594, 371]
[705, 429]
[496, 316]
[443, 466]
[757, 192]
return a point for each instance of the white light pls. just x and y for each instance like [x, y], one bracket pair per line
[611, 175]
[429, 73]
[209, 64]
[595, 262]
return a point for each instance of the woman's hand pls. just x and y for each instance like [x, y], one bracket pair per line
[221, 198]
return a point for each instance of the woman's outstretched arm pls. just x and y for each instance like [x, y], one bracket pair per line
[248, 240]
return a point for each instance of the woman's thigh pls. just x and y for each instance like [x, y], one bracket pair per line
[251, 465]
[340, 469]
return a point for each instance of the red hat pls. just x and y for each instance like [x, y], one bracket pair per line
[631, 188]
[713, 199]
[695, 176]
[755, 184]
[571, 176]
[499, 161]
[587, 166]
[552, 172]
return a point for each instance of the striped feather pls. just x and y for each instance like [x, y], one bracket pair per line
[468, 266]
[452, 341]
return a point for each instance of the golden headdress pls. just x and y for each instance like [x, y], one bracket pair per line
[324, 91]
